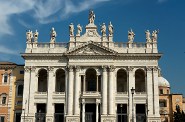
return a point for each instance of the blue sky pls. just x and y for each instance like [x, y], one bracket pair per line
[17, 16]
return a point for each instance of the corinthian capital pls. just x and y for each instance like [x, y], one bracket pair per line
[50, 68]
[155, 68]
[111, 68]
[27, 68]
[130, 68]
[77, 68]
[104, 68]
[70, 68]
[149, 68]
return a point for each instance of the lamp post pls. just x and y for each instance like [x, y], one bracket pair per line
[132, 91]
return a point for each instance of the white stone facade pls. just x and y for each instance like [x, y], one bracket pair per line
[91, 64]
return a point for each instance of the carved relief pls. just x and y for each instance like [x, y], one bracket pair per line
[92, 33]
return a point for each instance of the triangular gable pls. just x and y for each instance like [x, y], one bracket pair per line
[91, 48]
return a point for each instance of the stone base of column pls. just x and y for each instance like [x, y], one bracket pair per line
[72, 118]
[29, 118]
[153, 119]
[108, 118]
[49, 118]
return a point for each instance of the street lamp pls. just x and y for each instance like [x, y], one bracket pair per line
[132, 91]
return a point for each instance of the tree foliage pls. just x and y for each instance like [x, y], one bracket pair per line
[179, 116]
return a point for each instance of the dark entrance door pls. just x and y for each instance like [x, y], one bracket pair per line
[17, 117]
[140, 113]
[90, 113]
[122, 113]
[59, 112]
[40, 116]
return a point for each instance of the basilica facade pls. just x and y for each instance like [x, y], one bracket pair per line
[92, 78]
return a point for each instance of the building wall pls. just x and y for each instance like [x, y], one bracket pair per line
[5, 88]
[17, 79]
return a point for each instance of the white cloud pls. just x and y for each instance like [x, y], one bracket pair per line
[43, 10]
[5, 50]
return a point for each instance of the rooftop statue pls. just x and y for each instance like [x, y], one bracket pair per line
[35, 35]
[91, 16]
[110, 29]
[131, 35]
[71, 29]
[154, 35]
[53, 35]
[79, 30]
[29, 36]
[103, 29]
[148, 39]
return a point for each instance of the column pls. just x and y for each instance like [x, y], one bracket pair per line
[26, 87]
[131, 83]
[33, 88]
[83, 112]
[70, 91]
[104, 91]
[156, 91]
[97, 113]
[50, 90]
[111, 95]
[77, 92]
[84, 84]
[97, 83]
[149, 100]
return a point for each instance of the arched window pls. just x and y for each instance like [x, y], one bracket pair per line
[20, 90]
[5, 78]
[121, 81]
[91, 80]
[42, 81]
[60, 81]
[140, 81]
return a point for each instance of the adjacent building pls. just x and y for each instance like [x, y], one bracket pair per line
[6, 69]
[17, 93]
[91, 78]
[168, 101]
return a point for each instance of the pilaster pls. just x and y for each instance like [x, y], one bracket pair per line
[77, 92]
[70, 91]
[131, 83]
[104, 91]
[149, 91]
[51, 89]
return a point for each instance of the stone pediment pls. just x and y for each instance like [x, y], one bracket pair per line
[91, 48]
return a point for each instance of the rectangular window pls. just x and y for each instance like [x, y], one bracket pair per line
[5, 79]
[3, 100]
[161, 91]
[162, 103]
[1, 118]
[21, 72]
